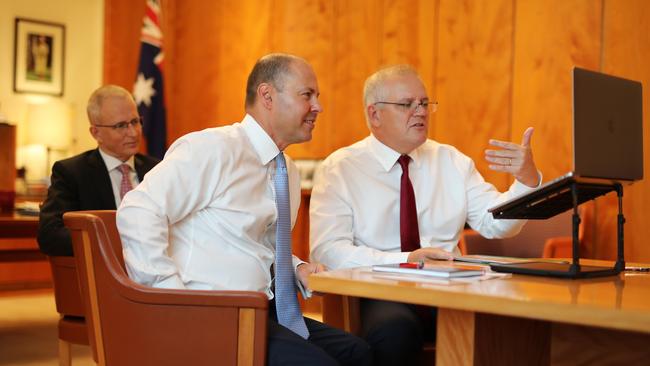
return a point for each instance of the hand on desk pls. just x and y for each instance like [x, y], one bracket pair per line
[425, 254]
[515, 159]
[305, 269]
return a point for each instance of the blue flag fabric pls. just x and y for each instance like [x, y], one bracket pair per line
[148, 87]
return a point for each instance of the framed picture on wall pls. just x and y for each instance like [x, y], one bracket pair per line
[39, 50]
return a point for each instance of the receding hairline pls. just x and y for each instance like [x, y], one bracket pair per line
[374, 87]
[272, 69]
[97, 98]
[375, 82]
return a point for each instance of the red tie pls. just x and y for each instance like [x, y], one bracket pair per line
[409, 232]
[125, 184]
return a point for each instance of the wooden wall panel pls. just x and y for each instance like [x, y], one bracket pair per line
[550, 38]
[495, 66]
[356, 54]
[122, 26]
[407, 31]
[244, 37]
[307, 31]
[626, 52]
[474, 78]
[192, 87]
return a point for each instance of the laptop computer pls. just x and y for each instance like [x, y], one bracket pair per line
[607, 147]
[607, 150]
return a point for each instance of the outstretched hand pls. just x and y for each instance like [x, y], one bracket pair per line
[515, 159]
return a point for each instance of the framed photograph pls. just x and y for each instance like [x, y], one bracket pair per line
[39, 50]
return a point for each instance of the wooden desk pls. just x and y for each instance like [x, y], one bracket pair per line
[521, 320]
[22, 265]
[14, 227]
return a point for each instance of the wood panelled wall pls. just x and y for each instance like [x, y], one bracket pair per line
[496, 67]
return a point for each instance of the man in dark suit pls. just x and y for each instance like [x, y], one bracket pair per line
[96, 179]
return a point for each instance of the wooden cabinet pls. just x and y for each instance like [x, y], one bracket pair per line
[22, 265]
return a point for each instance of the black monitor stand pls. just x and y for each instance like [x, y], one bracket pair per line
[575, 269]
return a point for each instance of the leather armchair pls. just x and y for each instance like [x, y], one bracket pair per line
[132, 324]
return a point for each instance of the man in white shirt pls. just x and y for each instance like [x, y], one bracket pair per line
[366, 209]
[206, 217]
[95, 179]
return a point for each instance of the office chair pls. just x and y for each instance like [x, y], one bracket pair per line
[529, 243]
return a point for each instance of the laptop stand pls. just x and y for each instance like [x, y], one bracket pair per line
[557, 200]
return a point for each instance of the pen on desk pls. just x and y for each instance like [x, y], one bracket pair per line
[414, 265]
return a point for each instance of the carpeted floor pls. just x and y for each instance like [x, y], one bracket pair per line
[28, 333]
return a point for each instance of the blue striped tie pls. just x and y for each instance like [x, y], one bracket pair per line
[286, 300]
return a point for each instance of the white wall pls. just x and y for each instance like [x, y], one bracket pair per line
[84, 38]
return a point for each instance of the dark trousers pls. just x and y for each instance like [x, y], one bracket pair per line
[325, 345]
[396, 331]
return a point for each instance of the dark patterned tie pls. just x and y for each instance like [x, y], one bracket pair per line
[286, 300]
[125, 183]
[409, 232]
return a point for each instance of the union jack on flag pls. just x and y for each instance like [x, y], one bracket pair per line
[148, 87]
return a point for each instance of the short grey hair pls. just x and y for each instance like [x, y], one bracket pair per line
[269, 69]
[94, 107]
[374, 90]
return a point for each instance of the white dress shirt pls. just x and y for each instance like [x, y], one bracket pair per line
[205, 217]
[355, 203]
[113, 166]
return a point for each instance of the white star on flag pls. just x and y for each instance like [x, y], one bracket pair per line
[143, 90]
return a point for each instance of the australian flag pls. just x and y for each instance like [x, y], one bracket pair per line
[148, 87]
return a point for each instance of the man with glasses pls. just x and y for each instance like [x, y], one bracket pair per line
[96, 179]
[397, 196]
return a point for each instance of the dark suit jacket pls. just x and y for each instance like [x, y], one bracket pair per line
[78, 183]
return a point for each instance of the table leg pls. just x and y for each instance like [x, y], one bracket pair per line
[469, 338]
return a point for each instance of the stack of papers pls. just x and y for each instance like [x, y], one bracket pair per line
[28, 208]
[430, 270]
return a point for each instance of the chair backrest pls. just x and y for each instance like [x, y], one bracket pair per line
[72, 327]
[529, 243]
[67, 295]
[133, 324]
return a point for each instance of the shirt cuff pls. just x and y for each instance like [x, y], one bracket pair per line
[520, 188]
[305, 292]
[395, 257]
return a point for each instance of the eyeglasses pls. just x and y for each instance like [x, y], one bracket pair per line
[413, 105]
[123, 126]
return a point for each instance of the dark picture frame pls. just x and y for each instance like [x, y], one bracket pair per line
[39, 55]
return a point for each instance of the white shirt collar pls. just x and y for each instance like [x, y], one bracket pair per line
[263, 144]
[113, 162]
[386, 156]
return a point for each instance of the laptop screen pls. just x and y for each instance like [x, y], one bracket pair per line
[607, 126]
